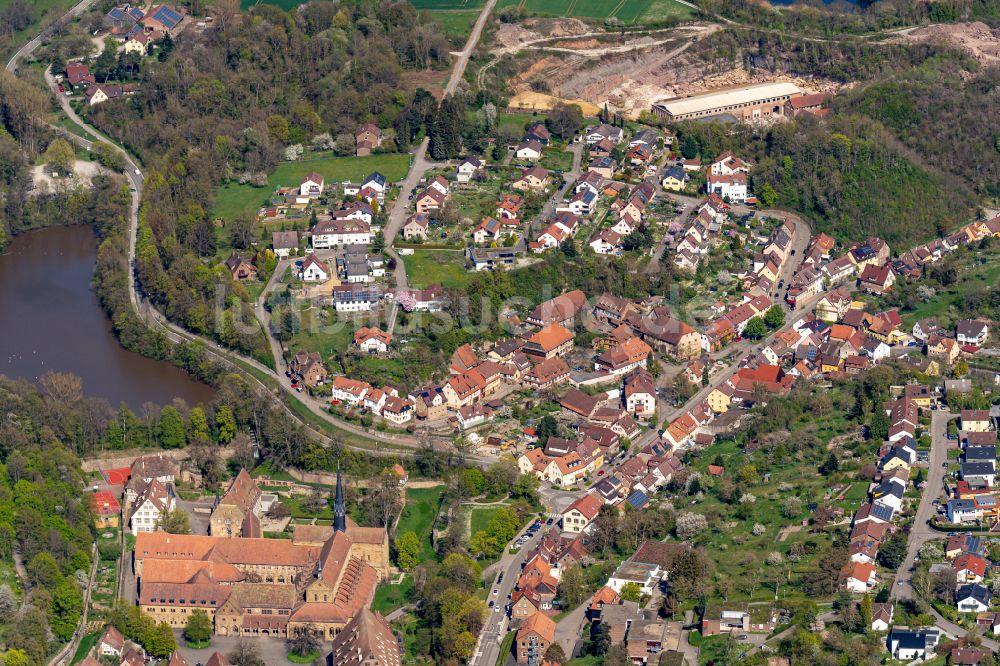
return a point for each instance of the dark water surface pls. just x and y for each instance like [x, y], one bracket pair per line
[50, 319]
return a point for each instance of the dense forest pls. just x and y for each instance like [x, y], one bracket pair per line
[843, 174]
[847, 18]
[45, 521]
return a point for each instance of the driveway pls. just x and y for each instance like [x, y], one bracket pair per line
[568, 629]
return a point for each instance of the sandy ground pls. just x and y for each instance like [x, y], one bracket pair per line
[83, 171]
[629, 76]
[977, 39]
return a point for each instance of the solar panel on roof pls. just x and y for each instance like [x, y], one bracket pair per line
[116, 13]
[167, 17]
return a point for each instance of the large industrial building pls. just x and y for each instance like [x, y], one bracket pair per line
[744, 104]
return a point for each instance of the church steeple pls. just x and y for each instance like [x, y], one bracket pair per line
[339, 511]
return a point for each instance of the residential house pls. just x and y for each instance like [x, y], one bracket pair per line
[283, 242]
[307, 367]
[468, 168]
[607, 242]
[311, 185]
[240, 268]
[329, 234]
[973, 598]
[882, 614]
[972, 332]
[509, 206]
[858, 577]
[602, 166]
[907, 645]
[675, 179]
[431, 199]
[533, 639]
[530, 150]
[604, 131]
[728, 164]
[367, 137]
[371, 340]
[532, 179]
[969, 568]
[154, 500]
[975, 420]
[548, 373]
[552, 340]
[581, 513]
[730, 188]
[314, 269]
[640, 394]
[562, 309]
[416, 226]
[876, 279]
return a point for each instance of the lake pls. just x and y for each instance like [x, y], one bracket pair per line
[50, 319]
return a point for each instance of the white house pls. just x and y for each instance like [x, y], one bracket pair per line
[604, 131]
[311, 186]
[607, 242]
[151, 504]
[882, 615]
[372, 340]
[354, 210]
[727, 164]
[337, 233]
[973, 598]
[907, 645]
[646, 576]
[350, 391]
[529, 150]
[314, 270]
[962, 511]
[467, 168]
[972, 332]
[859, 577]
[732, 187]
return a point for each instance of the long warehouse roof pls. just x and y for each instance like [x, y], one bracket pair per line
[716, 100]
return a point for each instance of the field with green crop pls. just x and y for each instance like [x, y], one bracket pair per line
[629, 12]
[430, 5]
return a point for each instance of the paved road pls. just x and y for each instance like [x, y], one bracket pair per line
[33, 45]
[497, 622]
[458, 71]
[921, 532]
[569, 178]
[421, 165]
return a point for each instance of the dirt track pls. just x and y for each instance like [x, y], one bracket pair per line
[977, 39]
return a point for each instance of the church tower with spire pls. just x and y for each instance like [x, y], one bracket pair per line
[339, 510]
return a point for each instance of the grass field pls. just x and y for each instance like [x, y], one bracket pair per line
[389, 597]
[629, 12]
[84, 648]
[447, 4]
[234, 199]
[421, 506]
[456, 22]
[325, 334]
[481, 517]
[444, 267]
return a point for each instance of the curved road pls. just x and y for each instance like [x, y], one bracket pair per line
[178, 335]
